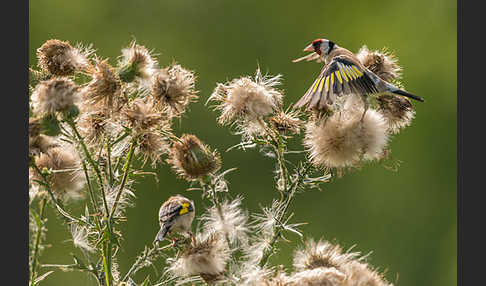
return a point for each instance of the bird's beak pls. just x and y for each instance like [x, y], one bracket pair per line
[309, 48]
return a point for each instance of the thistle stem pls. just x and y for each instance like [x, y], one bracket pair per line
[286, 200]
[126, 170]
[33, 271]
[91, 162]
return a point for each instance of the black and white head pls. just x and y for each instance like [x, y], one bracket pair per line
[321, 46]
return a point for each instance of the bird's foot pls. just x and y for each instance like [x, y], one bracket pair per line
[174, 242]
[193, 239]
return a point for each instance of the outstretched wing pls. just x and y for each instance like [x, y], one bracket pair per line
[340, 77]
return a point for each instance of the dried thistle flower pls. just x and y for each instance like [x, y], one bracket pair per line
[62, 59]
[57, 94]
[141, 115]
[192, 159]
[245, 98]
[174, 88]
[359, 273]
[151, 145]
[206, 256]
[321, 254]
[382, 63]
[286, 122]
[229, 220]
[317, 277]
[66, 178]
[397, 110]
[137, 63]
[323, 260]
[343, 139]
[41, 143]
[104, 86]
[92, 124]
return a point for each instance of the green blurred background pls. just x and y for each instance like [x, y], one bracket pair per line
[406, 218]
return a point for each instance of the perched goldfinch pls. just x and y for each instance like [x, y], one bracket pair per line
[342, 74]
[175, 215]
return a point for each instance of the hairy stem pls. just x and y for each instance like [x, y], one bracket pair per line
[91, 194]
[147, 256]
[33, 271]
[287, 200]
[126, 170]
[91, 162]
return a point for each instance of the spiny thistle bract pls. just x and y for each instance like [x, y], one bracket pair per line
[91, 121]
[192, 159]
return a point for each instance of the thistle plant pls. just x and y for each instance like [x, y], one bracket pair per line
[90, 121]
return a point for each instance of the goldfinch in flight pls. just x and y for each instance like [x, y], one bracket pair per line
[342, 74]
[175, 215]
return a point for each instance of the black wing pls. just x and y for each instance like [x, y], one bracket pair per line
[340, 77]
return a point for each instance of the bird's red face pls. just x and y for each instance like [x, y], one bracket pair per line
[315, 46]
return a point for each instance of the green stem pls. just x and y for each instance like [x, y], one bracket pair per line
[91, 195]
[126, 169]
[37, 241]
[110, 170]
[91, 162]
[107, 262]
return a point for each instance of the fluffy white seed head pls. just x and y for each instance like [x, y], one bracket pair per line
[382, 63]
[342, 139]
[317, 277]
[327, 263]
[66, 178]
[321, 254]
[57, 94]
[173, 88]
[247, 98]
[206, 256]
[231, 221]
[397, 111]
[80, 236]
[61, 59]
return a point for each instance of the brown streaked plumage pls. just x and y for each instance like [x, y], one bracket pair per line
[175, 215]
[342, 74]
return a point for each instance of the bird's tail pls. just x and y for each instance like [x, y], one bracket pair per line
[161, 234]
[404, 93]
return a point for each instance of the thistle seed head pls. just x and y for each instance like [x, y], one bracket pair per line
[397, 110]
[383, 63]
[174, 88]
[142, 115]
[105, 85]
[57, 94]
[343, 140]
[206, 256]
[246, 98]
[192, 159]
[286, 123]
[66, 178]
[151, 145]
[137, 64]
[62, 59]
